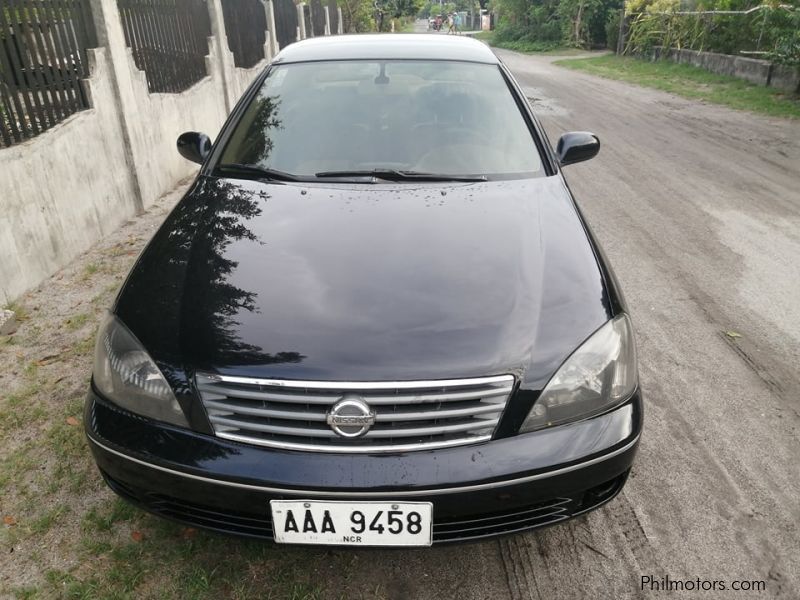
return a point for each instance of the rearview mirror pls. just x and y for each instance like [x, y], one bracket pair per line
[194, 146]
[577, 146]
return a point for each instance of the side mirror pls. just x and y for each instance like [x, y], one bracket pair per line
[577, 146]
[194, 146]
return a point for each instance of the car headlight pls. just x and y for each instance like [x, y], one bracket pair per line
[126, 375]
[600, 374]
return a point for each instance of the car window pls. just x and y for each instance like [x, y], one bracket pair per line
[441, 117]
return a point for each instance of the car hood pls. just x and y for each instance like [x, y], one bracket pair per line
[368, 282]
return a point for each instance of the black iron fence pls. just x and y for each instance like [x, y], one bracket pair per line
[42, 61]
[169, 39]
[285, 21]
[43, 47]
[245, 26]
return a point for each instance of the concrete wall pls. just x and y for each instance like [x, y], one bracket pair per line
[65, 189]
[754, 70]
[785, 78]
[161, 118]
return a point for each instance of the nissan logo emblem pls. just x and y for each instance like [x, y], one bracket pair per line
[351, 417]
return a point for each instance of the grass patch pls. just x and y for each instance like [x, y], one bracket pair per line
[526, 46]
[122, 567]
[20, 312]
[15, 465]
[67, 440]
[691, 82]
[77, 321]
[21, 408]
[46, 521]
[27, 592]
[404, 27]
[89, 270]
[105, 518]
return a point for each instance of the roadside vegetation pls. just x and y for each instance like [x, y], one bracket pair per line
[364, 16]
[541, 25]
[751, 28]
[691, 82]
[523, 45]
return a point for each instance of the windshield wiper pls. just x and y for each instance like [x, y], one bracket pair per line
[395, 175]
[256, 172]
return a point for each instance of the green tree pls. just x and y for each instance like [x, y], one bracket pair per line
[357, 16]
[575, 17]
[386, 10]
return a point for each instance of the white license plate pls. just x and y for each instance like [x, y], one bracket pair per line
[352, 523]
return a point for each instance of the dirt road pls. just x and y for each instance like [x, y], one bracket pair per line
[698, 208]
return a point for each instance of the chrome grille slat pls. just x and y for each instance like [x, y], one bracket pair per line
[352, 449]
[358, 385]
[440, 414]
[309, 432]
[271, 396]
[215, 407]
[408, 415]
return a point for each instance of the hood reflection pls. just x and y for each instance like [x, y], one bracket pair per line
[211, 316]
[172, 320]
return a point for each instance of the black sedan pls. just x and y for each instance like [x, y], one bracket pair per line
[376, 318]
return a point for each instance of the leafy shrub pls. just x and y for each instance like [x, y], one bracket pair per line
[580, 23]
[772, 30]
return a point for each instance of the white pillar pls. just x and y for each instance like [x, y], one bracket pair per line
[327, 21]
[340, 27]
[273, 33]
[108, 25]
[301, 21]
[224, 55]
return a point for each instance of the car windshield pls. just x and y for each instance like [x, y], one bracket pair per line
[411, 117]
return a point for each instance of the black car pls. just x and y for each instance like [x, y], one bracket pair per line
[377, 316]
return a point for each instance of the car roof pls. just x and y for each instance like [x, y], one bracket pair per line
[415, 46]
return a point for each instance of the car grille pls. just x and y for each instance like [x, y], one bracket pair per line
[408, 415]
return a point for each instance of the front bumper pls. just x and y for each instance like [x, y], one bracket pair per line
[499, 487]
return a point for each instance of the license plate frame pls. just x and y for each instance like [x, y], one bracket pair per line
[399, 527]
